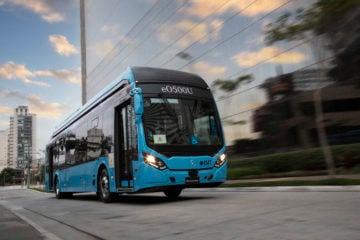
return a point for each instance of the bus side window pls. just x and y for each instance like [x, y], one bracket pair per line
[55, 156]
[61, 151]
[70, 148]
[80, 144]
[95, 137]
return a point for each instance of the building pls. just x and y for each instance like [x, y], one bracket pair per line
[4, 136]
[287, 120]
[22, 138]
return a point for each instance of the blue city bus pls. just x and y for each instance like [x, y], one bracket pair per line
[149, 130]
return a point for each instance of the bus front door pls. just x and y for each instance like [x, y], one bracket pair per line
[124, 134]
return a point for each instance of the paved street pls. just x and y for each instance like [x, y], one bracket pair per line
[234, 213]
[13, 227]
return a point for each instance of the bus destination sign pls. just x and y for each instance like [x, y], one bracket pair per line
[174, 89]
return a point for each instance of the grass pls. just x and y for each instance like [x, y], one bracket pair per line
[289, 183]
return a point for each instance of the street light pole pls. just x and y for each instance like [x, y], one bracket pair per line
[28, 172]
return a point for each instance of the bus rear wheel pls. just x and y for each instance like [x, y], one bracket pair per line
[104, 187]
[172, 193]
[58, 193]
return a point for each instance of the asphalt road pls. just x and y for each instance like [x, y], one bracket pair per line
[235, 213]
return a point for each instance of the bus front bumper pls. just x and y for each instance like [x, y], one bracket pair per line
[150, 177]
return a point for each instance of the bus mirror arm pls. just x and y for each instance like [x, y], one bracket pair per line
[138, 100]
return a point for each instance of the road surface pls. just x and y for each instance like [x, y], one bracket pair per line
[234, 213]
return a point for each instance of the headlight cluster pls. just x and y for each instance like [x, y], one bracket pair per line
[154, 162]
[221, 160]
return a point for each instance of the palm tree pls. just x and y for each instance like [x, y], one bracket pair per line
[229, 86]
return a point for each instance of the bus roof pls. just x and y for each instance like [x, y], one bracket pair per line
[158, 75]
[133, 75]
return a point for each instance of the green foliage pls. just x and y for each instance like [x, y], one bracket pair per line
[6, 176]
[314, 20]
[234, 173]
[231, 85]
[303, 160]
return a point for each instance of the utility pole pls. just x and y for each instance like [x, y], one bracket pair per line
[28, 171]
[83, 51]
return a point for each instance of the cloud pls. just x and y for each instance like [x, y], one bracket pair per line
[44, 8]
[209, 69]
[37, 105]
[5, 109]
[44, 109]
[12, 70]
[268, 54]
[113, 29]
[53, 17]
[71, 76]
[4, 123]
[62, 45]
[191, 31]
[7, 93]
[205, 8]
[101, 48]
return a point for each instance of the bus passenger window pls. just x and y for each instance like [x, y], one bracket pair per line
[70, 148]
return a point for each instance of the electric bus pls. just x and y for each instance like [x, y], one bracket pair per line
[149, 130]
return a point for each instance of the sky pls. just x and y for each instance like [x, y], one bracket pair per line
[40, 51]
[223, 39]
[40, 61]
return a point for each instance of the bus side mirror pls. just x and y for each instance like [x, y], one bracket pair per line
[138, 100]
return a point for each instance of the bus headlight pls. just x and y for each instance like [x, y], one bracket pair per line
[221, 160]
[154, 162]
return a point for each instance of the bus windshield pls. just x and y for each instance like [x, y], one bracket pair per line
[177, 121]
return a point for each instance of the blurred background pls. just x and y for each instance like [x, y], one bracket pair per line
[285, 74]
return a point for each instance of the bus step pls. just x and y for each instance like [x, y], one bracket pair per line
[125, 189]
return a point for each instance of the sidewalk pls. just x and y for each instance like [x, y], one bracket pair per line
[322, 177]
[14, 228]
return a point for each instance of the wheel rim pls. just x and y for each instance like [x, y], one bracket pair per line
[57, 189]
[104, 185]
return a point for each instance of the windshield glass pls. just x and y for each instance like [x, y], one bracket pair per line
[175, 121]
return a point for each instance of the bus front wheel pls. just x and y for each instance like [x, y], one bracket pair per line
[172, 193]
[104, 187]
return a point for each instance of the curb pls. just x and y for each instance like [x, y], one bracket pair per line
[350, 188]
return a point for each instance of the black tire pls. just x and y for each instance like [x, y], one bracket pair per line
[104, 188]
[173, 193]
[68, 194]
[58, 193]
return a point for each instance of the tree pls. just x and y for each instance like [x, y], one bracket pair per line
[6, 176]
[329, 21]
[313, 24]
[229, 85]
[316, 20]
